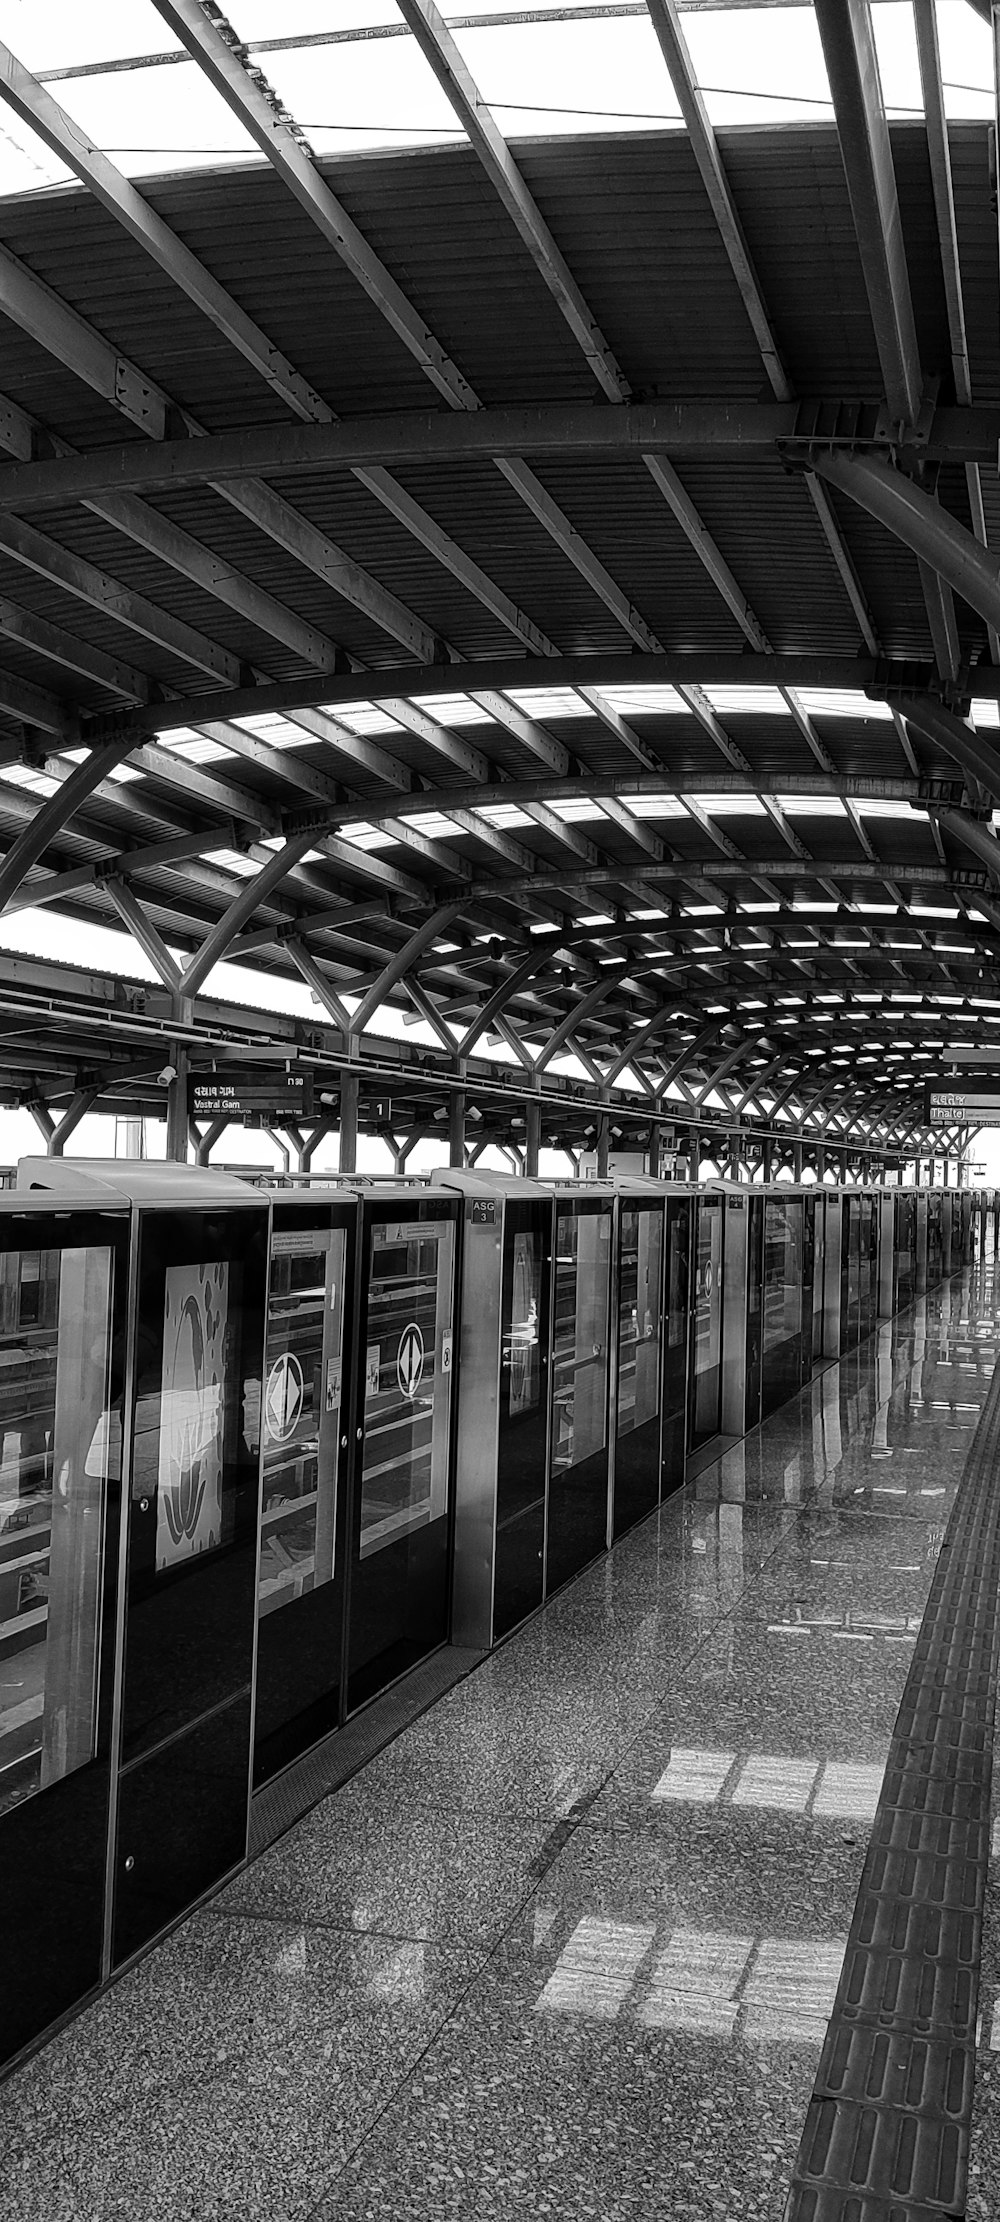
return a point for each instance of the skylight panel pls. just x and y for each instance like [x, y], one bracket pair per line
[233, 862]
[194, 747]
[256, 19]
[764, 52]
[750, 701]
[986, 713]
[549, 702]
[504, 814]
[842, 702]
[364, 836]
[812, 806]
[730, 806]
[656, 806]
[966, 60]
[452, 709]
[155, 119]
[870, 807]
[277, 731]
[365, 718]
[378, 93]
[576, 808]
[21, 775]
[583, 76]
[634, 701]
[430, 822]
[63, 33]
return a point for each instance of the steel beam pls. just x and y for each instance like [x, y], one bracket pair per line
[36, 108]
[223, 66]
[76, 576]
[933, 534]
[32, 705]
[143, 932]
[35, 633]
[53, 325]
[603, 668]
[403, 961]
[241, 909]
[932, 721]
[441, 52]
[845, 29]
[322, 987]
[54, 814]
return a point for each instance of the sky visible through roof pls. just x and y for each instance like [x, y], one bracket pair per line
[599, 69]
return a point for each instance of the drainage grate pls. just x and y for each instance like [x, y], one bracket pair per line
[283, 1802]
[886, 2137]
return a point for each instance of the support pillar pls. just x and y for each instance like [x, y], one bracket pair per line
[70, 1120]
[653, 1153]
[603, 1146]
[843, 1164]
[821, 1161]
[312, 1142]
[694, 1155]
[532, 1138]
[282, 1148]
[456, 1128]
[797, 1161]
[767, 1160]
[177, 1107]
[348, 1159]
[207, 1140]
[43, 1120]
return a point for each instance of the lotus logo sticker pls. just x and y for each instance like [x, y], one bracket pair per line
[189, 1469]
[410, 1359]
[283, 1398]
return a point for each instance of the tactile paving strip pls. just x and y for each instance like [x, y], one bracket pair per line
[886, 2137]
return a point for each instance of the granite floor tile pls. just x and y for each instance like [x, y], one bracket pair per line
[369, 1860]
[578, 2105]
[223, 1994]
[225, 2076]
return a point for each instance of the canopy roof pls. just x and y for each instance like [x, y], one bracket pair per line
[536, 591]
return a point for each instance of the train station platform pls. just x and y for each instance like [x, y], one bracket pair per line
[596, 1935]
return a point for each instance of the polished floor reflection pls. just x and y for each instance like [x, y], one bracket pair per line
[568, 1947]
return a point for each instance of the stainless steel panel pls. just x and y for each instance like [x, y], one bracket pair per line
[735, 1264]
[478, 1417]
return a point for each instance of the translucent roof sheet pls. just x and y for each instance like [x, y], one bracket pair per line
[358, 79]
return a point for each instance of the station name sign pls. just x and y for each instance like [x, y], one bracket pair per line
[243, 1094]
[963, 1106]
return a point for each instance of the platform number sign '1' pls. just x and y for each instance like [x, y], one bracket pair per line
[410, 1360]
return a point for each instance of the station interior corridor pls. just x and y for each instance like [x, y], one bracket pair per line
[568, 1947]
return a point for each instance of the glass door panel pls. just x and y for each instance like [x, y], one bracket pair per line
[300, 1586]
[707, 1370]
[640, 1364]
[783, 1297]
[579, 1442]
[60, 1476]
[198, 1333]
[523, 1416]
[677, 1332]
[400, 1569]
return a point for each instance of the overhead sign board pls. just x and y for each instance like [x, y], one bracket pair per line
[963, 1106]
[242, 1094]
[986, 1055]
